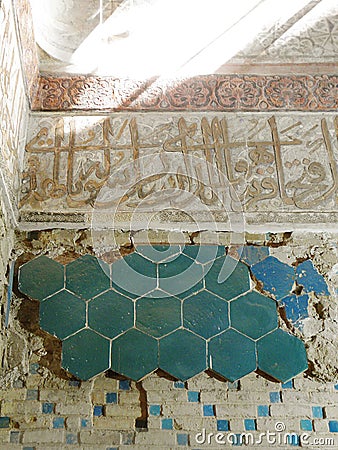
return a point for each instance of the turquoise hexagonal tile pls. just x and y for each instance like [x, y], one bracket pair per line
[159, 253]
[253, 314]
[158, 316]
[87, 276]
[134, 354]
[110, 313]
[281, 355]
[205, 314]
[86, 354]
[232, 355]
[62, 314]
[180, 277]
[182, 354]
[310, 279]
[41, 277]
[227, 277]
[277, 277]
[134, 275]
[204, 253]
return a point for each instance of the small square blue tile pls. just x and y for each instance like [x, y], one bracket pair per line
[33, 368]
[84, 423]
[250, 424]
[287, 385]
[233, 385]
[293, 439]
[127, 438]
[222, 425]
[193, 396]
[182, 439]
[306, 425]
[71, 438]
[98, 410]
[179, 385]
[112, 448]
[263, 411]
[28, 448]
[58, 422]
[208, 410]
[32, 394]
[155, 410]
[124, 385]
[111, 397]
[167, 424]
[48, 408]
[333, 426]
[336, 387]
[275, 397]
[74, 383]
[237, 440]
[317, 412]
[14, 437]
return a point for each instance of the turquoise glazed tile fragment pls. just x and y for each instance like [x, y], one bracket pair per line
[182, 354]
[204, 253]
[134, 354]
[281, 355]
[110, 313]
[253, 254]
[232, 355]
[158, 316]
[159, 253]
[62, 314]
[253, 314]
[41, 277]
[85, 354]
[227, 277]
[310, 279]
[81, 273]
[276, 276]
[205, 314]
[134, 275]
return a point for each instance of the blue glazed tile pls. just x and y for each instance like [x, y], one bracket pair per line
[32, 394]
[275, 397]
[333, 426]
[98, 410]
[158, 316]
[204, 253]
[74, 383]
[158, 253]
[71, 438]
[28, 448]
[182, 439]
[263, 411]
[253, 314]
[81, 273]
[296, 308]
[277, 277]
[293, 439]
[134, 354]
[182, 354]
[287, 385]
[48, 408]
[62, 314]
[124, 385]
[180, 277]
[250, 424]
[234, 385]
[14, 437]
[85, 423]
[110, 313]
[155, 410]
[227, 277]
[336, 387]
[205, 314]
[232, 355]
[306, 425]
[310, 279]
[134, 275]
[41, 277]
[193, 396]
[127, 438]
[179, 385]
[252, 254]
[58, 422]
[111, 397]
[33, 368]
[237, 440]
[281, 355]
[208, 410]
[167, 424]
[112, 448]
[222, 425]
[85, 354]
[317, 412]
